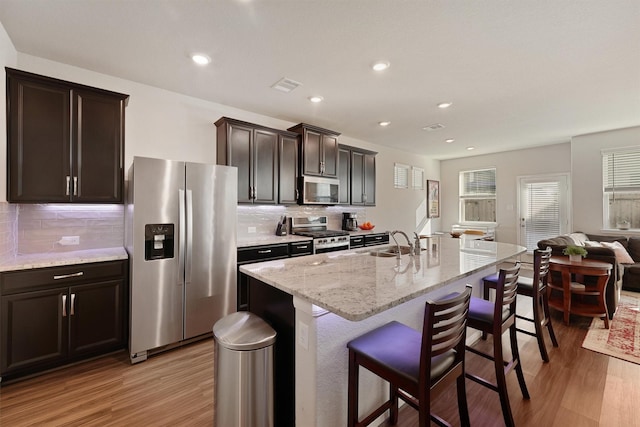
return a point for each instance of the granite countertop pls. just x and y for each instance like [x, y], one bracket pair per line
[355, 285]
[51, 259]
[272, 239]
[269, 239]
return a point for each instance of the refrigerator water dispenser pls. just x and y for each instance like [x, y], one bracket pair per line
[158, 241]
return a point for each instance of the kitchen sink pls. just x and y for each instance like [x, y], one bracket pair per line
[390, 251]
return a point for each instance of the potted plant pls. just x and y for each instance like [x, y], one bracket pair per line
[575, 252]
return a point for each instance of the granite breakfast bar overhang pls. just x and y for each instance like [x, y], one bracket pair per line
[331, 298]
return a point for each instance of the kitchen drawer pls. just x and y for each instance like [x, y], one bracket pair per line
[356, 242]
[376, 239]
[262, 253]
[301, 248]
[12, 282]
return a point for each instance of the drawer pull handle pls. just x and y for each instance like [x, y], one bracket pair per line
[73, 304]
[266, 251]
[303, 247]
[66, 276]
[64, 306]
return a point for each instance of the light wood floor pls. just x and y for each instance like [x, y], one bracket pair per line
[577, 388]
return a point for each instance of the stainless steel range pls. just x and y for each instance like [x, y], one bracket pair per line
[324, 240]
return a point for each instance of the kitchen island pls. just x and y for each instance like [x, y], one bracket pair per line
[319, 303]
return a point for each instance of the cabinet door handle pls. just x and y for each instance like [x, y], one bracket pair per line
[68, 190]
[297, 194]
[265, 251]
[75, 185]
[66, 276]
[255, 192]
[73, 304]
[64, 306]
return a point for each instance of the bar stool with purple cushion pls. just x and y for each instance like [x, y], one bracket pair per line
[418, 366]
[495, 319]
[536, 288]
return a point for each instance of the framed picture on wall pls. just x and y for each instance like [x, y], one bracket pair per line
[433, 199]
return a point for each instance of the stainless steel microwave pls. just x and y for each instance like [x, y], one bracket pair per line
[319, 191]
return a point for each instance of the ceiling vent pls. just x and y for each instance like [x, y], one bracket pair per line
[433, 127]
[286, 85]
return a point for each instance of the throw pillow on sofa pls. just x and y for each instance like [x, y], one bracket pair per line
[622, 256]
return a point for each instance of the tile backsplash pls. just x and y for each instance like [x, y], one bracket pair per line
[265, 218]
[41, 227]
[8, 227]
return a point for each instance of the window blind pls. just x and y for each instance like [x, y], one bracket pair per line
[478, 183]
[418, 178]
[543, 212]
[621, 170]
[400, 175]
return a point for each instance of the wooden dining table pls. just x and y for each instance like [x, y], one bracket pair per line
[574, 294]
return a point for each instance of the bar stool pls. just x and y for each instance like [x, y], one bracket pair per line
[418, 366]
[536, 288]
[495, 319]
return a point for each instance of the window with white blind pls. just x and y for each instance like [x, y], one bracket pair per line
[542, 216]
[543, 208]
[478, 195]
[418, 178]
[621, 188]
[400, 175]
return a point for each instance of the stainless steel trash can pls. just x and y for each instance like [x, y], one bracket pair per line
[243, 371]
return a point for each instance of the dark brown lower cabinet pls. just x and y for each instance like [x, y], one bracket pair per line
[53, 316]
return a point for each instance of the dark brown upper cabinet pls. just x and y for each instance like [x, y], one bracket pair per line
[357, 174]
[65, 141]
[344, 175]
[254, 151]
[363, 178]
[288, 167]
[319, 150]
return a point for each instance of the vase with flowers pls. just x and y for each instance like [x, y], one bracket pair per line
[575, 252]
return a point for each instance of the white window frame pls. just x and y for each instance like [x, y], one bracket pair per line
[463, 197]
[619, 176]
[400, 175]
[417, 175]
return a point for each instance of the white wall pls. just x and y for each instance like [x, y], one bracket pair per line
[8, 58]
[587, 173]
[509, 166]
[168, 125]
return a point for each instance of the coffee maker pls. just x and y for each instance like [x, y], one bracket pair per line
[349, 221]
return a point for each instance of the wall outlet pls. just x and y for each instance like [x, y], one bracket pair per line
[69, 240]
[251, 230]
[303, 335]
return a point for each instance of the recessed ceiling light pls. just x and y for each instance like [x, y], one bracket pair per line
[200, 58]
[471, 148]
[316, 99]
[384, 123]
[380, 65]
[444, 105]
[449, 140]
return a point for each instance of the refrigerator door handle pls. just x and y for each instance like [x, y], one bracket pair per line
[189, 255]
[181, 241]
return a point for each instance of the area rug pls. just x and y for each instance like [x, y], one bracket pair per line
[622, 339]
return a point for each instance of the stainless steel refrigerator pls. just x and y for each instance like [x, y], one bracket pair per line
[181, 237]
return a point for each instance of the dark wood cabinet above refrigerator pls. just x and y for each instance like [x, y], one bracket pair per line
[65, 141]
[266, 160]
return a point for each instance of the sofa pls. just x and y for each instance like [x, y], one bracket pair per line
[623, 276]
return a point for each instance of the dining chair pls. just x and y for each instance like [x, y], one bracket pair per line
[418, 366]
[495, 318]
[536, 288]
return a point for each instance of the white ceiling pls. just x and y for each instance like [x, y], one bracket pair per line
[520, 73]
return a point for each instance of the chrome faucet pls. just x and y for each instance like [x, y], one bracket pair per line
[416, 244]
[393, 236]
